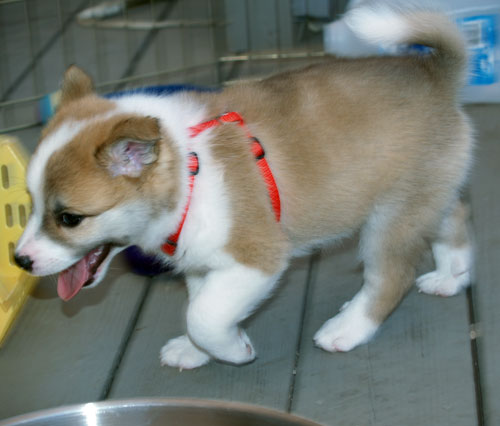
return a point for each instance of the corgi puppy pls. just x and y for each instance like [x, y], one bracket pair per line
[228, 186]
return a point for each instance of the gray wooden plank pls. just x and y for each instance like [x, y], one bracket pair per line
[274, 331]
[485, 201]
[417, 370]
[62, 353]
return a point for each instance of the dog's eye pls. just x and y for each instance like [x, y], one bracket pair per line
[70, 220]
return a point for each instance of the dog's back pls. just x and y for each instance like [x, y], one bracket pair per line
[344, 133]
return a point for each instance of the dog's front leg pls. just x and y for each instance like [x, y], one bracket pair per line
[218, 302]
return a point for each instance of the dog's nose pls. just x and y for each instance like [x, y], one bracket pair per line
[24, 262]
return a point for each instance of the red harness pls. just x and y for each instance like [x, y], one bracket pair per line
[260, 156]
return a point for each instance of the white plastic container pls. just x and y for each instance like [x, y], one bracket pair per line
[479, 21]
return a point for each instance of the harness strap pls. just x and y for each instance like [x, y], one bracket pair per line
[170, 245]
[260, 156]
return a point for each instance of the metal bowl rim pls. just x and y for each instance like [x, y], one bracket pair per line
[109, 405]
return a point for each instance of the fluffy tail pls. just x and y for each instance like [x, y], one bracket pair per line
[389, 27]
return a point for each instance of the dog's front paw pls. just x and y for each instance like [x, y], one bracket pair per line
[345, 331]
[240, 351]
[181, 353]
[236, 348]
[443, 284]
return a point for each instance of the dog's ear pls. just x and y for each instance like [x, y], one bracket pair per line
[76, 84]
[132, 146]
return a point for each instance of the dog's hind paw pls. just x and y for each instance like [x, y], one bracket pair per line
[453, 271]
[442, 284]
[181, 353]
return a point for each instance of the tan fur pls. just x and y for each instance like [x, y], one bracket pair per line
[337, 157]
[145, 129]
[378, 143]
[76, 84]
[255, 239]
[319, 131]
[85, 108]
[78, 179]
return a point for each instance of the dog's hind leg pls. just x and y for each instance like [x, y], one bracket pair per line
[452, 251]
[391, 243]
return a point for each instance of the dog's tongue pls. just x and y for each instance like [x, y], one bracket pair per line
[71, 280]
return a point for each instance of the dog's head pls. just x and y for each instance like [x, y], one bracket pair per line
[93, 183]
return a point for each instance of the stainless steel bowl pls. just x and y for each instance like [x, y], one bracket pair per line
[159, 412]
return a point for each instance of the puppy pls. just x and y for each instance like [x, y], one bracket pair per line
[228, 186]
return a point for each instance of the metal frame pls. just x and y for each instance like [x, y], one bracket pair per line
[148, 19]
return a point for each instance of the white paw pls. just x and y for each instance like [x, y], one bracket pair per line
[443, 284]
[345, 331]
[239, 351]
[181, 353]
[452, 272]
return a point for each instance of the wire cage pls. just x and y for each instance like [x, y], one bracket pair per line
[131, 43]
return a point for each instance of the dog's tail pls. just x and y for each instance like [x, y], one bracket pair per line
[388, 26]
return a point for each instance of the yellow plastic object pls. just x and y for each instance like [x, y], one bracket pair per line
[15, 206]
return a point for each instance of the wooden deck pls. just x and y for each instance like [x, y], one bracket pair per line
[434, 362]
[421, 369]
